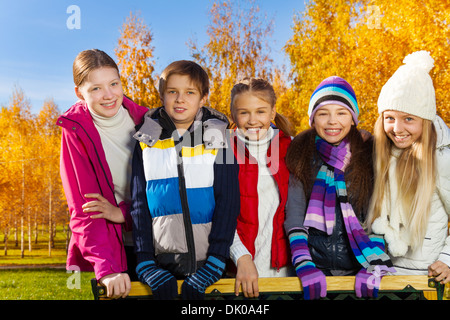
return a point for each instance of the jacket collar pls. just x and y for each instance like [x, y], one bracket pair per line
[442, 133]
[79, 112]
[214, 125]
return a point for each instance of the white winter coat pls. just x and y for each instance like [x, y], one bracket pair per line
[436, 245]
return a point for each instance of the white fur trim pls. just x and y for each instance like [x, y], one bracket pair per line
[395, 245]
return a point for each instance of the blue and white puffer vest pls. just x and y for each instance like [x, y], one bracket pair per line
[179, 175]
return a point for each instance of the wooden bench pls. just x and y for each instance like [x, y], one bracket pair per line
[391, 287]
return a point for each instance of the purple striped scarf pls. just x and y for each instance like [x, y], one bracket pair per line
[320, 214]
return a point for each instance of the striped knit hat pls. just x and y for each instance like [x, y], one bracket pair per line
[333, 90]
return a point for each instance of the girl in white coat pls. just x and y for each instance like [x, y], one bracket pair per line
[411, 199]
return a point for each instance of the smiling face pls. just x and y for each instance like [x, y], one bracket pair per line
[102, 91]
[332, 123]
[402, 128]
[182, 100]
[252, 115]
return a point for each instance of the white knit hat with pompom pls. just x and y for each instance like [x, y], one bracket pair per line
[410, 89]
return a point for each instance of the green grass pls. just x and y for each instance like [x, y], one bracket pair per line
[38, 255]
[44, 284]
[26, 282]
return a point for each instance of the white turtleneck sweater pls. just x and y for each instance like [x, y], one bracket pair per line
[116, 135]
[268, 201]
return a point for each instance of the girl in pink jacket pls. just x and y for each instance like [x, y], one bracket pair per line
[96, 151]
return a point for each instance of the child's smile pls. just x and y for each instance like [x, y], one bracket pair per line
[252, 115]
[332, 123]
[402, 128]
[102, 91]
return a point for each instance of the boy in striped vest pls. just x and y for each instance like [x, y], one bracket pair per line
[185, 188]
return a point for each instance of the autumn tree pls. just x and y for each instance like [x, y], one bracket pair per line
[134, 52]
[422, 26]
[51, 200]
[365, 42]
[30, 192]
[236, 48]
[6, 200]
[16, 149]
[8, 189]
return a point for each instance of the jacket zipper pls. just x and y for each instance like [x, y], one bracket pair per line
[187, 219]
[192, 261]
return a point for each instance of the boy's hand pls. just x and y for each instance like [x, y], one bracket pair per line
[194, 286]
[162, 282]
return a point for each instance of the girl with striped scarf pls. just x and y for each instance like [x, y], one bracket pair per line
[329, 191]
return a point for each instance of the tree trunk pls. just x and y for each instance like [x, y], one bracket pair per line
[6, 240]
[16, 230]
[50, 231]
[29, 230]
[36, 230]
[22, 254]
[23, 210]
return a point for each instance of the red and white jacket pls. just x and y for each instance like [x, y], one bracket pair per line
[247, 223]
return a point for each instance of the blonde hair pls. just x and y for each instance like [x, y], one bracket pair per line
[263, 90]
[415, 175]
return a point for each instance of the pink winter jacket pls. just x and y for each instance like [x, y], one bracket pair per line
[96, 244]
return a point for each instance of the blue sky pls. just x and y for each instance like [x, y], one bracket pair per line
[38, 49]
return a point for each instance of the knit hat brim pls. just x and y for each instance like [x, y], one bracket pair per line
[333, 90]
[328, 102]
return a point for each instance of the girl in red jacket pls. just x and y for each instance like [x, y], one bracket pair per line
[96, 151]
[260, 247]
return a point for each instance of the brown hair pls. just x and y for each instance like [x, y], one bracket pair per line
[263, 90]
[89, 60]
[185, 67]
[358, 175]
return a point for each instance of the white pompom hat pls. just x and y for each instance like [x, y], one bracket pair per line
[410, 89]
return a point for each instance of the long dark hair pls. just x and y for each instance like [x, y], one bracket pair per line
[302, 156]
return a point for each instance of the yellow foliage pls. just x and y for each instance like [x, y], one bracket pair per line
[135, 60]
[236, 48]
[362, 41]
[29, 163]
[365, 42]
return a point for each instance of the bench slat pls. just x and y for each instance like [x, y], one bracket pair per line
[293, 284]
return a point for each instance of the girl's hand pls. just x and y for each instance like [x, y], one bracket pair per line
[106, 209]
[118, 285]
[440, 271]
[247, 276]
